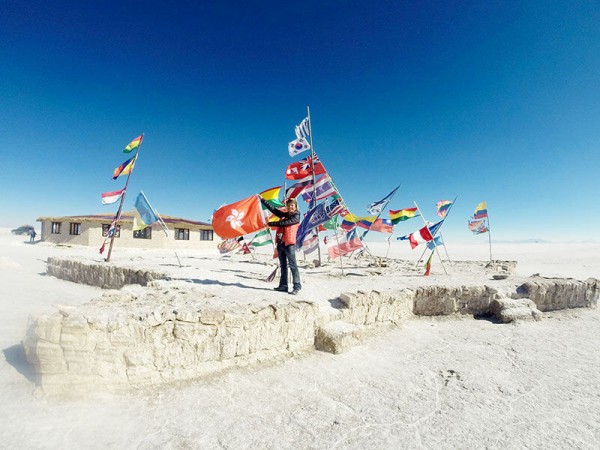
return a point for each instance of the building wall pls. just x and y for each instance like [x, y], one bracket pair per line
[91, 234]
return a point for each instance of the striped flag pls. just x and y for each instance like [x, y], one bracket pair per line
[262, 238]
[442, 207]
[400, 215]
[347, 244]
[133, 144]
[428, 265]
[322, 189]
[108, 198]
[303, 130]
[310, 244]
[481, 211]
[124, 168]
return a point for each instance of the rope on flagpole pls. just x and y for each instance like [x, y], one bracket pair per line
[118, 216]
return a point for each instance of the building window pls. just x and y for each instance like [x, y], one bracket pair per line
[206, 235]
[106, 227]
[182, 234]
[55, 228]
[146, 233]
[74, 228]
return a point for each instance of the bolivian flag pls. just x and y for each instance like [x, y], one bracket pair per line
[133, 144]
[402, 214]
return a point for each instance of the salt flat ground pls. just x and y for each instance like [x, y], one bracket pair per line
[430, 383]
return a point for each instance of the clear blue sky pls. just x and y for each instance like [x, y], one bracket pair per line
[493, 101]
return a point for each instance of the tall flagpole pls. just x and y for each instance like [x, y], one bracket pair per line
[434, 248]
[312, 168]
[489, 232]
[118, 216]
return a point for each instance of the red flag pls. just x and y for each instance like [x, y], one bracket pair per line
[347, 244]
[238, 219]
[418, 237]
[301, 170]
[245, 249]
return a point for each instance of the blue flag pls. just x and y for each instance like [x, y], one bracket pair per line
[144, 214]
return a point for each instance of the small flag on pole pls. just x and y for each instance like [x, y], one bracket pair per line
[428, 265]
[143, 213]
[375, 208]
[442, 207]
[298, 146]
[124, 168]
[261, 238]
[133, 144]
[109, 198]
[400, 215]
[481, 211]
[303, 130]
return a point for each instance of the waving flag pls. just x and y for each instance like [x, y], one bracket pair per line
[262, 238]
[124, 168]
[428, 265]
[302, 170]
[400, 215]
[437, 240]
[477, 226]
[481, 211]
[228, 245]
[298, 146]
[303, 130]
[375, 208]
[310, 244]
[143, 214]
[296, 189]
[322, 189]
[133, 144]
[109, 198]
[272, 196]
[315, 217]
[425, 234]
[347, 244]
[442, 207]
[239, 218]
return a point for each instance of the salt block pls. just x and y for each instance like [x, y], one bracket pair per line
[337, 336]
[508, 310]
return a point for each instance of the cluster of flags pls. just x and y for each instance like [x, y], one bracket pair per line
[478, 224]
[108, 198]
[310, 181]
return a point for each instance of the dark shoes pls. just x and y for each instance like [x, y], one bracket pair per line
[295, 291]
[280, 289]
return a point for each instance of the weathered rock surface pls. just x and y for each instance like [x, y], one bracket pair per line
[551, 294]
[337, 337]
[169, 333]
[102, 275]
[508, 310]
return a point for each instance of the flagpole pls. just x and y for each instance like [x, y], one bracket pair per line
[312, 169]
[489, 232]
[338, 244]
[434, 248]
[164, 227]
[118, 216]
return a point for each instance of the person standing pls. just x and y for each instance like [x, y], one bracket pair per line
[285, 237]
[32, 235]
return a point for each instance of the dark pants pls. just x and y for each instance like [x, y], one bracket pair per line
[287, 256]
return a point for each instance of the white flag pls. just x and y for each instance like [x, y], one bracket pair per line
[298, 146]
[303, 130]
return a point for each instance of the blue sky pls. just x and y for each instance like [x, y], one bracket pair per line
[485, 100]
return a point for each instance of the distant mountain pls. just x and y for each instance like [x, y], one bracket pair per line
[523, 241]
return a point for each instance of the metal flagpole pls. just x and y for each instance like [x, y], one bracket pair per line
[163, 226]
[489, 232]
[118, 216]
[312, 167]
[434, 248]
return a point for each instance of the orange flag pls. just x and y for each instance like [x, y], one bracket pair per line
[239, 218]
